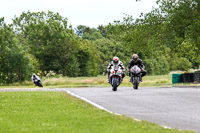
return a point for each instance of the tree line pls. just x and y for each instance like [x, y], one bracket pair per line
[166, 39]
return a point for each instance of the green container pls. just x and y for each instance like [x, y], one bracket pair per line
[176, 78]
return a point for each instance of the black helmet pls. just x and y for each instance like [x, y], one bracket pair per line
[135, 57]
[115, 59]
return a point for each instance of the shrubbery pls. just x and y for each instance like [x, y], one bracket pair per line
[158, 66]
[181, 64]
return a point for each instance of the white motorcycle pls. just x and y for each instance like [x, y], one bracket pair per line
[135, 76]
[115, 77]
[38, 83]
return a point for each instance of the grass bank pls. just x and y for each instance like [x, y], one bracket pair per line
[63, 82]
[58, 112]
[99, 81]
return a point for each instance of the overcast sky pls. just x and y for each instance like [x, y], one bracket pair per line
[79, 12]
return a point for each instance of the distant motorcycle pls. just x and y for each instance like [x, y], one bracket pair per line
[135, 76]
[115, 77]
[38, 83]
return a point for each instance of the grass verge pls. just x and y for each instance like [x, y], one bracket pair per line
[65, 82]
[58, 112]
[99, 81]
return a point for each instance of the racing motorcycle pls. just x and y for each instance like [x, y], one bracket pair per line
[135, 76]
[115, 77]
[38, 83]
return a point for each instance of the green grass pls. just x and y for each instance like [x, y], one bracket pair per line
[58, 112]
[65, 82]
[101, 81]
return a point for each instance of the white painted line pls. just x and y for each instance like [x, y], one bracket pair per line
[88, 101]
[166, 127]
[94, 104]
[136, 119]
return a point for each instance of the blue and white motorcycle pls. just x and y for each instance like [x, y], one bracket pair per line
[115, 77]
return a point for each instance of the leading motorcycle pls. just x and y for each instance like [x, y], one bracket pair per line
[115, 77]
[135, 76]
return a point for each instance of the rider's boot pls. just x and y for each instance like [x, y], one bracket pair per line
[108, 78]
[130, 80]
[140, 79]
[121, 80]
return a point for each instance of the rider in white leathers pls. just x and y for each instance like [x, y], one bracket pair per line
[35, 78]
[115, 61]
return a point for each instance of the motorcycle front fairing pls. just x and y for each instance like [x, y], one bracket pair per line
[135, 74]
[135, 70]
[115, 72]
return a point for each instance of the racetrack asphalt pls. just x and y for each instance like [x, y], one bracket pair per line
[174, 107]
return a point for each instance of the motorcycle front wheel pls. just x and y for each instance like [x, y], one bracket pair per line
[114, 85]
[39, 84]
[135, 82]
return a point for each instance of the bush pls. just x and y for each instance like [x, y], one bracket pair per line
[51, 74]
[181, 64]
[158, 66]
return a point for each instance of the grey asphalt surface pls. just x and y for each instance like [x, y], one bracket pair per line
[172, 107]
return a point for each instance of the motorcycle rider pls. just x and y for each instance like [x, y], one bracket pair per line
[136, 61]
[35, 78]
[116, 61]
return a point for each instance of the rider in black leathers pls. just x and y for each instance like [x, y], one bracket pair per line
[136, 61]
[114, 62]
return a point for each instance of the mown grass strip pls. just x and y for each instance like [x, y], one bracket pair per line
[58, 112]
[99, 81]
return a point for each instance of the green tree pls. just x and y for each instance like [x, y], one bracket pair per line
[171, 27]
[110, 48]
[182, 19]
[50, 40]
[89, 59]
[88, 33]
[16, 64]
[157, 66]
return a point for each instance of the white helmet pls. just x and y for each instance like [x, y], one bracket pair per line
[115, 59]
